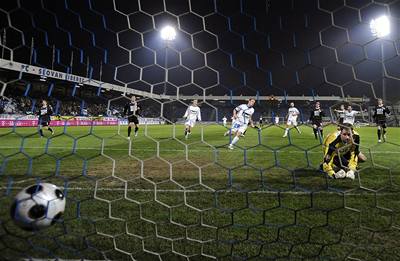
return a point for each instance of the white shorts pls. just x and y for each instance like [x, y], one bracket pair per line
[349, 122]
[239, 126]
[291, 122]
[190, 123]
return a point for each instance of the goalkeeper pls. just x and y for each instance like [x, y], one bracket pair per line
[341, 153]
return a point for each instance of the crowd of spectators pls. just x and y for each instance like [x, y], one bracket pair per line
[15, 105]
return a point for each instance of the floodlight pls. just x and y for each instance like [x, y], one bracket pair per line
[380, 27]
[168, 33]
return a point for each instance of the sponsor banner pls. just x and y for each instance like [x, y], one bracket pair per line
[33, 123]
[17, 116]
[145, 121]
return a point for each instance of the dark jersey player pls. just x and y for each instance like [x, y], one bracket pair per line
[380, 114]
[316, 120]
[45, 111]
[131, 110]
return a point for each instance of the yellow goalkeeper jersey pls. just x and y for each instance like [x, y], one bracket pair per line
[335, 148]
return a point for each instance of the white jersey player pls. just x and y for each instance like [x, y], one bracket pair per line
[192, 114]
[350, 115]
[242, 118]
[291, 117]
[276, 120]
[224, 119]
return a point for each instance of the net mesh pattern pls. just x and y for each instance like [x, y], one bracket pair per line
[159, 196]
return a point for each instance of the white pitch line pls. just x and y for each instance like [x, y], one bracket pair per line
[214, 192]
[180, 150]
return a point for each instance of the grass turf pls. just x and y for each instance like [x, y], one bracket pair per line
[162, 195]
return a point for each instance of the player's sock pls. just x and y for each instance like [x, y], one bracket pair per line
[41, 132]
[379, 134]
[234, 140]
[322, 133]
[136, 130]
[129, 131]
[286, 132]
[50, 129]
[384, 133]
[315, 133]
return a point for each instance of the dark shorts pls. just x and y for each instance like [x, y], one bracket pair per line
[44, 122]
[381, 123]
[341, 121]
[134, 119]
[318, 123]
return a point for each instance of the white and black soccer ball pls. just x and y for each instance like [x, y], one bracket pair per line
[38, 206]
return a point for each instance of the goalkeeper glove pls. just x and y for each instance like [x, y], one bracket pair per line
[350, 174]
[341, 174]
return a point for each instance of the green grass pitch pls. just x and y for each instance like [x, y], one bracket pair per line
[160, 195]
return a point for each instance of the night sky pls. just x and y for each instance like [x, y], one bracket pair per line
[225, 47]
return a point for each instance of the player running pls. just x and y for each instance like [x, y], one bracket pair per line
[192, 114]
[131, 110]
[276, 119]
[242, 118]
[45, 111]
[292, 115]
[224, 120]
[341, 153]
[316, 120]
[380, 114]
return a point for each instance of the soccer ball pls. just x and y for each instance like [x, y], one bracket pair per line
[38, 206]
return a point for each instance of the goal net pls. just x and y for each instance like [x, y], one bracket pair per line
[169, 194]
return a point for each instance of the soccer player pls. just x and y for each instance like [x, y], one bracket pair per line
[341, 153]
[131, 110]
[242, 118]
[350, 115]
[277, 119]
[224, 119]
[341, 115]
[260, 121]
[45, 111]
[291, 117]
[380, 114]
[192, 114]
[316, 120]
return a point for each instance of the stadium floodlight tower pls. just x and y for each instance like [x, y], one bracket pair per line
[380, 27]
[168, 34]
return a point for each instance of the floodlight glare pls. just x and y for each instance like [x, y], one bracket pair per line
[168, 33]
[380, 27]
